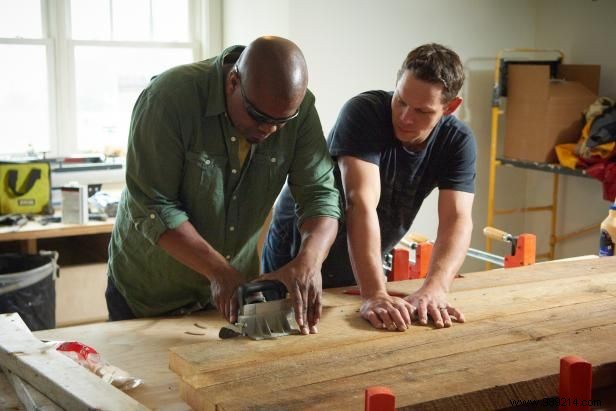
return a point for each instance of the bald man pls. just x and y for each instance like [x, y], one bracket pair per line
[210, 146]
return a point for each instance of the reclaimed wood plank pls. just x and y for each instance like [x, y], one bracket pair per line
[8, 397]
[31, 398]
[341, 326]
[485, 378]
[61, 379]
[518, 328]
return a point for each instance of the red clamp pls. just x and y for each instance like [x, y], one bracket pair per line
[575, 390]
[524, 249]
[379, 399]
[403, 269]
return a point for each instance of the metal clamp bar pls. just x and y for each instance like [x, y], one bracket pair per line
[485, 256]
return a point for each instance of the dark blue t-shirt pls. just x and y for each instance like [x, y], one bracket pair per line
[364, 130]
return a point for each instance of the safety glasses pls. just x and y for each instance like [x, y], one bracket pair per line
[258, 116]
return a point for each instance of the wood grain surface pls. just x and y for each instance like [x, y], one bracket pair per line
[519, 323]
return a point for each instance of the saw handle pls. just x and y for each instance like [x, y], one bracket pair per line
[275, 290]
[496, 234]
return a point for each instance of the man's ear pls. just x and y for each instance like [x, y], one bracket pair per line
[233, 81]
[452, 105]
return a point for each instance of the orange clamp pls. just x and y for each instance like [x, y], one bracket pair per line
[379, 399]
[524, 253]
[575, 388]
[401, 267]
[423, 254]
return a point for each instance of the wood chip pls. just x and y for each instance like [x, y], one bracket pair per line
[193, 333]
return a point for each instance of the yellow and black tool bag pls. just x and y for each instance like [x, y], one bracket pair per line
[26, 187]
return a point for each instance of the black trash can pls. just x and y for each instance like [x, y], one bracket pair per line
[27, 287]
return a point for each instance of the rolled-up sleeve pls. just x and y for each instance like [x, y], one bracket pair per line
[311, 177]
[154, 167]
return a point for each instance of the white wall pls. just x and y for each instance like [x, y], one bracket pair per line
[245, 20]
[357, 45]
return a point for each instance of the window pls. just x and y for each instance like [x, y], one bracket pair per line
[72, 69]
[24, 77]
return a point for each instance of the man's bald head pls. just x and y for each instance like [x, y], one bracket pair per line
[274, 69]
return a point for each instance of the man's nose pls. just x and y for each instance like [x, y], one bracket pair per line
[267, 128]
[406, 116]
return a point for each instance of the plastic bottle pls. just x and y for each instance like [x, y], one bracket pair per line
[608, 233]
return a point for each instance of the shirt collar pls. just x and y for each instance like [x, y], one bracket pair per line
[216, 91]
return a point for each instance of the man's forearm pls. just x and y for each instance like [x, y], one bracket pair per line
[450, 249]
[187, 246]
[364, 240]
[318, 235]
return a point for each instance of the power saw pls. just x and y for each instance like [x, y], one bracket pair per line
[264, 312]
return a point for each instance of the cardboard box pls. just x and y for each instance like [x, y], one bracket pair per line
[542, 112]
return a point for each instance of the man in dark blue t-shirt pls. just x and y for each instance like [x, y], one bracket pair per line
[392, 149]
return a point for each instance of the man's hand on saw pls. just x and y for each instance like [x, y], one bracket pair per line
[224, 295]
[305, 289]
[432, 300]
[385, 311]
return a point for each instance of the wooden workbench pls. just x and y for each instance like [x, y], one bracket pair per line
[28, 234]
[519, 323]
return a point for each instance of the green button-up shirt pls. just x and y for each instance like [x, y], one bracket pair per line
[183, 165]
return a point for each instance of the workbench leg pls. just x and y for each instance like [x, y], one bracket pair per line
[28, 246]
[575, 384]
[379, 399]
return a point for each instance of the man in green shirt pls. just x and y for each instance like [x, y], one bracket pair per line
[210, 146]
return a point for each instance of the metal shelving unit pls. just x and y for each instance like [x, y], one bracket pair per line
[503, 59]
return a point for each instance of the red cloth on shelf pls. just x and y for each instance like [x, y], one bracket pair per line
[605, 171]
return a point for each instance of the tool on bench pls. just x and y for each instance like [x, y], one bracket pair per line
[260, 318]
[18, 220]
[523, 249]
[399, 267]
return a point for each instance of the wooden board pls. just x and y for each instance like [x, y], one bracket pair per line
[8, 397]
[519, 323]
[141, 348]
[33, 230]
[32, 398]
[61, 379]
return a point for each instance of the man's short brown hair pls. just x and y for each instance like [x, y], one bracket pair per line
[435, 63]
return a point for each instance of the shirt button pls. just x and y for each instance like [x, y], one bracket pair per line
[231, 228]
[207, 162]
[234, 198]
[233, 138]
[152, 216]
[228, 257]
[234, 171]
[273, 159]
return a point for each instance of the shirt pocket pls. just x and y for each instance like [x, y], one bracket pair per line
[204, 181]
[270, 169]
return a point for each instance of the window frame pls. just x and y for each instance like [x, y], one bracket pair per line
[204, 38]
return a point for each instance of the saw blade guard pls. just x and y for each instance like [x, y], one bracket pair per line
[272, 290]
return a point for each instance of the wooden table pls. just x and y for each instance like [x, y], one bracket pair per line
[33, 231]
[519, 323]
